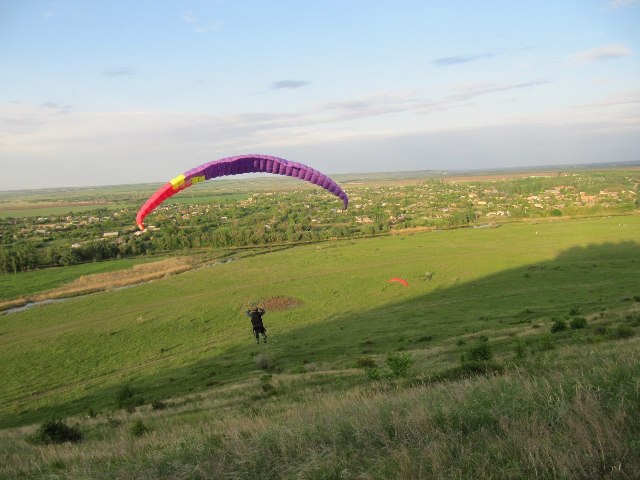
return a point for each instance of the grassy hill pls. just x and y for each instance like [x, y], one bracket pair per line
[300, 406]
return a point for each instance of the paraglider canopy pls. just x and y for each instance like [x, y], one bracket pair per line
[235, 166]
[398, 280]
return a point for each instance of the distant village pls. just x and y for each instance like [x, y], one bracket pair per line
[310, 214]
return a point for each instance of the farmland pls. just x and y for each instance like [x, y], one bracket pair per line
[321, 400]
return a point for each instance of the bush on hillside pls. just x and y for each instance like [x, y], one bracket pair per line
[263, 361]
[128, 399]
[558, 326]
[621, 332]
[481, 352]
[373, 373]
[56, 431]
[366, 361]
[578, 323]
[399, 363]
[468, 370]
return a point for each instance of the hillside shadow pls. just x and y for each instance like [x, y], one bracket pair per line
[589, 278]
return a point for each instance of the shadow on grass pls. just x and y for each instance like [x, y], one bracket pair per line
[588, 279]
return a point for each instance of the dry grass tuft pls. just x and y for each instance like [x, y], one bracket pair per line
[108, 281]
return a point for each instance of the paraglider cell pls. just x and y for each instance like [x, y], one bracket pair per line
[237, 165]
[308, 174]
[288, 170]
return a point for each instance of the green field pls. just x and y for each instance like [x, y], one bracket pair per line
[27, 283]
[184, 340]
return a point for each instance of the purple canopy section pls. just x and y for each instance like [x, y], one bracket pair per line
[236, 166]
[265, 164]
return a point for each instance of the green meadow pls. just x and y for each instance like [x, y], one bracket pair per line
[36, 281]
[321, 400]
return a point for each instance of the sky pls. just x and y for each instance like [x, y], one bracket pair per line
[120, 92]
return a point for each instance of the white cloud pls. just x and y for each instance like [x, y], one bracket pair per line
[129, 147]
[621, 3]
[598, 54]
[119, 71]
[289, 84]
[211, 27]
[189, 17]
[200, 26]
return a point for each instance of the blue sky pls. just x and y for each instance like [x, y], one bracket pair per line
[96, 93]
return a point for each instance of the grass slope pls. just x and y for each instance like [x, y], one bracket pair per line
[187, 333]
[561, 405]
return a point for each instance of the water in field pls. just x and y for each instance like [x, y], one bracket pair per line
[33, 304]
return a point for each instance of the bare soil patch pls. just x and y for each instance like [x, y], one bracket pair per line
[280, 303]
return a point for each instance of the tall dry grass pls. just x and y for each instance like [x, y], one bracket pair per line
[581, 422]
[99, 282]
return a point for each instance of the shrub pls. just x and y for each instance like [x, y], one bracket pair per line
[574, 311]
[267, 387]
[399, 363]
[158, 405]
[263, 361]
[600, 330]
[621, 332]
[558, 326]
[633, 321]
[467, 370]
[366, 361]
[138, 429]
[373, 373]
[56, 431]
[127, 398]
[481, 352]
[578, 322]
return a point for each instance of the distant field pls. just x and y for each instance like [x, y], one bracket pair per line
[193, 199]
[45, 209]
[27, 283]
[187, 333]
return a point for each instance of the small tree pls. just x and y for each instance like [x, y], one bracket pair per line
[56, 431]
[399, 363]
[577, 323]
[558, 326]
[481, 352]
